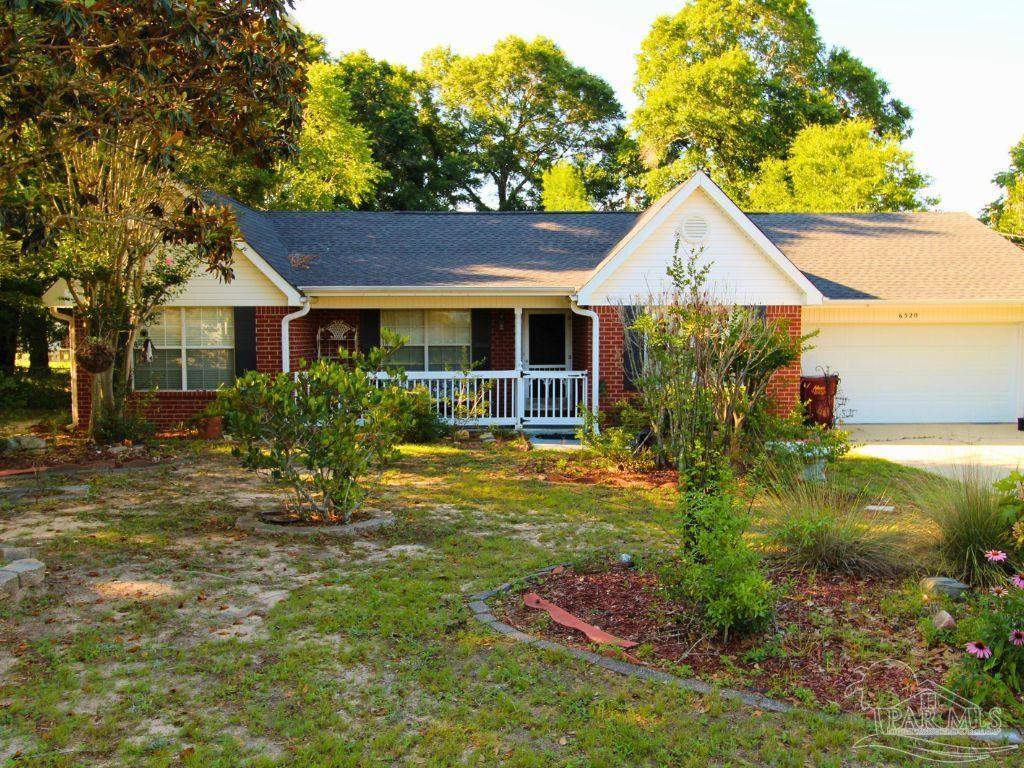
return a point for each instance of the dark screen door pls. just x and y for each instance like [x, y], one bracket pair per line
[547, 340]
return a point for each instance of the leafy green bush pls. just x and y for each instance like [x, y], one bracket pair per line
[616, 444]
[823, 529]
[716, 568]
[424, 424]
[971, 519]
[19, 391]
[323, 431]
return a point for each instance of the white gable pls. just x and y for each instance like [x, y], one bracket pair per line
[251, 287]
[745, 267]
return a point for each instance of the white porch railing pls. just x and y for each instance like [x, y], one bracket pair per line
[504, 398]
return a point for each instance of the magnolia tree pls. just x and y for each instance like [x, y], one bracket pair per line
[701, 367]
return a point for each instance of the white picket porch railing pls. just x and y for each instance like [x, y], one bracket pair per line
[504, 398]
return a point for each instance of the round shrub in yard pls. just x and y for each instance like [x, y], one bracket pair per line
[325, 431]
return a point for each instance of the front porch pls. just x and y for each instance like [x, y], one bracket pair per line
[523, 367]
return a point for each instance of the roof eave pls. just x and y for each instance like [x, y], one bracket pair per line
[436, 290]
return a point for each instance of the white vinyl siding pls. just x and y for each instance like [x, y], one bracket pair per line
[921, 373]
[741, 272]
[437, 339]
[194, 349]
[248, 288]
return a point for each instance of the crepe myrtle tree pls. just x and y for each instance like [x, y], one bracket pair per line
[127, 238]
[323, 431]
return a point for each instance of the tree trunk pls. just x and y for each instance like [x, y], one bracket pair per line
[8, 337]
[104, 406]
[34, 326]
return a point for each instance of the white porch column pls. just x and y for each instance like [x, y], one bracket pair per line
[520, 386]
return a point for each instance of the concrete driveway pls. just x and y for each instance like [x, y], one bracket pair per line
[995, 449]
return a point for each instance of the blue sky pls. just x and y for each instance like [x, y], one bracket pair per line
[957, 63]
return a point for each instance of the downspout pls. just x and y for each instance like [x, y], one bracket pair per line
[595, 354]
[286, 351]
[74, 372]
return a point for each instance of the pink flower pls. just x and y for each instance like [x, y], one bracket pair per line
[1017, 637]
[979, 649]
[995, 556]
[167, 260]
[1018, 580]
[1000, 591]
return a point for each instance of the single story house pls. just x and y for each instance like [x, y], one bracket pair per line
[921, 314]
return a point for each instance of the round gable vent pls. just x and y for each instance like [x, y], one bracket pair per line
[694, 229]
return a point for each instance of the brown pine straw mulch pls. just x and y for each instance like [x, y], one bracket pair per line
[828, 631]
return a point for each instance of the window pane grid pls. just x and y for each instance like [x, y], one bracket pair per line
[201, 337]
[438, 339]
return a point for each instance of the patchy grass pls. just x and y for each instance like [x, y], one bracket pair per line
[167, 637]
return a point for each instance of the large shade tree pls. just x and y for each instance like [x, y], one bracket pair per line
[521, 108]
[100, 101]
[1006, 214]
[843, 167]
[726, 84]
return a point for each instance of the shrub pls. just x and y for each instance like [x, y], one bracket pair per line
[971, 519]
[323, 431]
[621, 444]
[424, 424]
[823, 529]
[702, 367]
[19, 391]
[716, 568]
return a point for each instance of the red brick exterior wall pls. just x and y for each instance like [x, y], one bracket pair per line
[268, 337]
[613, 383]
[784, 388]
[582, 343]
[503, 340]
[303, 331]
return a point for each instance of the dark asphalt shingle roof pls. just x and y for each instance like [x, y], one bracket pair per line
[904, 257]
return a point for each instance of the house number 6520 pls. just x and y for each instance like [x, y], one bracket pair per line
[907, 315]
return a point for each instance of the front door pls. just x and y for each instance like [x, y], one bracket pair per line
[546, 342]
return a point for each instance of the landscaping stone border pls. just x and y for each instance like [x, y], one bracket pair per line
[482, 613]
[19, 571]
[252, 524]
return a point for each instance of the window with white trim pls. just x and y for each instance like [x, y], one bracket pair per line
[437, 339]
[193, 348]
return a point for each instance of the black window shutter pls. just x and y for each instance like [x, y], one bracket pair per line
[245, 340]
[369, 329]
[481, 349]
[631, 349]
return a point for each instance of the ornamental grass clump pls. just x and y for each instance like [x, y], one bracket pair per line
[324, 431]
[821, 528]
[972, 519]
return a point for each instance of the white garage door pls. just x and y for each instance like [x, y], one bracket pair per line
[924, 373]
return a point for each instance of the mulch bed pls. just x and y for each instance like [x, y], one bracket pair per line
[72, 451]
[828, 631]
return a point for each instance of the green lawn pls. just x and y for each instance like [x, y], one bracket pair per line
[168, 638]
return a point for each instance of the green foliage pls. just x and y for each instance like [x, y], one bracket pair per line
[726, 84]
[616, 444]
[821, 528]
[420, 157]
[972, 520]
[18, 391]
[993, 619]
[1007, 213]
[563, 190]
[424, 424]
[716, 568]
[332, 168]
[844, 167]
[522, 107]
[323, 432]
[128, 424]
[702, 367]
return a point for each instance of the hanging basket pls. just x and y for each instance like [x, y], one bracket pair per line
[94, 355]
